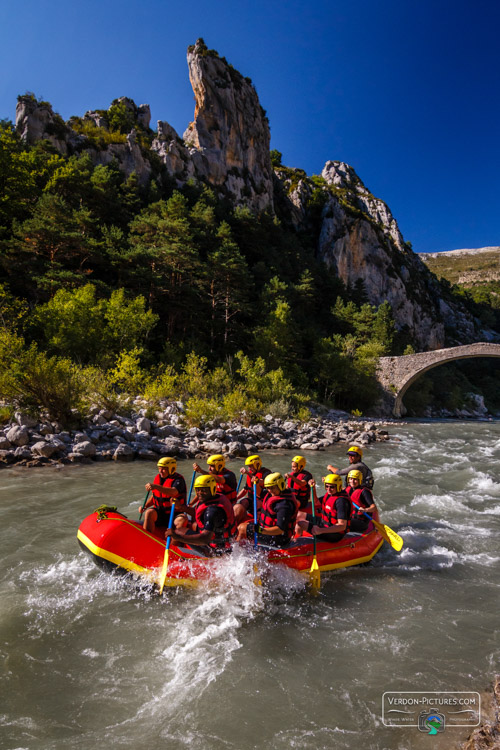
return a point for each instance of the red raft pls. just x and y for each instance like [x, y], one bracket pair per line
[118, 544]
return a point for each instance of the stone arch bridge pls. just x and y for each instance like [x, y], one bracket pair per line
[396, 374]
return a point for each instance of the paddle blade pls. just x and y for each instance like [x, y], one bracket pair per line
[315, 575]
[257, 580]
[163, 576]
[390, 536]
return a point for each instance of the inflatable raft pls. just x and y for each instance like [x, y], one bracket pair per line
[117, 543]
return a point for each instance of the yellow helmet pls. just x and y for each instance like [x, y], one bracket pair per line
[334, 479]
[206, 481]
[275, 479]
[355, 474]
[217, 461]
[300, 461]
[254, 461]
[167, 463]
[355, 449]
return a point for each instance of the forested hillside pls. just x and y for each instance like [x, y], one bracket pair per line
[100, 273]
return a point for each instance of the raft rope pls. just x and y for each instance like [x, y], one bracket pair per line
[103, 510]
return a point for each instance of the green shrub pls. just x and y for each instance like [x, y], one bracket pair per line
[163, 386]
[200, 410]
[38, 383]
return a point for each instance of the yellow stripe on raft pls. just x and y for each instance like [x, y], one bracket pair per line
[349, 563]
[122, 562]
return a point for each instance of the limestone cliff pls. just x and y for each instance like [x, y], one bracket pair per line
[359, 239]
[229, 137]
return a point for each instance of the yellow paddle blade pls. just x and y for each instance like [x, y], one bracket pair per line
[315, 575]
[257, 580]
[164, 572]
[390, 536]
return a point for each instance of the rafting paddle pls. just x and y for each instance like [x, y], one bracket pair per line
[167, 547]
[314, 573]
[144, 505]
[239, 482]
[255, 543]
[256, 580]
[188, 501]
[389, 534]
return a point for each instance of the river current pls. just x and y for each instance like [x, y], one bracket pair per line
[91, 660]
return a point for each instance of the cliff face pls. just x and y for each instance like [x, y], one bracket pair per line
[227, 146]
[229, 138]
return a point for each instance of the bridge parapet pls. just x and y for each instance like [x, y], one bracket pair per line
[396, 374]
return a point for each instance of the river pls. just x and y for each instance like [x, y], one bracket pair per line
[91, 660]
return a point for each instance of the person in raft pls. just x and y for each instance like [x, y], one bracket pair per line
[277, 516]
[298, 479]
[334, 514]
[363, 497]
[255, 474]
[214, 518]
[225, 478]
[166, 486]
[355, 456]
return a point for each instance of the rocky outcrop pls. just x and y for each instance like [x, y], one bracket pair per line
[226, 145]
[229, 137]
[37, 120]
[487, 736]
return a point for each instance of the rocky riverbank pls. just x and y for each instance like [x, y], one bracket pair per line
[114, 437]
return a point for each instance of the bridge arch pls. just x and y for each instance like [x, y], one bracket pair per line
[397, 374]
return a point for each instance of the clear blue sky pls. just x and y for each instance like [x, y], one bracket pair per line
[406, 91]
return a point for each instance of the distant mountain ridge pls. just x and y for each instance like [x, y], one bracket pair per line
[463, 251]
[466, 267]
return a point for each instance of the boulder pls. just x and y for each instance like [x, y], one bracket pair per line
[143, 425]
[44, 448]
[124, 452]
[309, 447]
[236, 448]
[85, 448]
[24, 420]
[22, 453]
[170, 430]
[18, 435]
[212, 446]
[5, 445]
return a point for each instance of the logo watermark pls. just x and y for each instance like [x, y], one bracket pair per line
[431, 711]
[431, 723]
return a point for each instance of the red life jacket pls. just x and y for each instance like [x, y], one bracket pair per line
[301, 493]
[162, 501]
[329, 510]
[260, 474]
[229, 528]
[268, 516]
[355, 497]
[225, 489]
